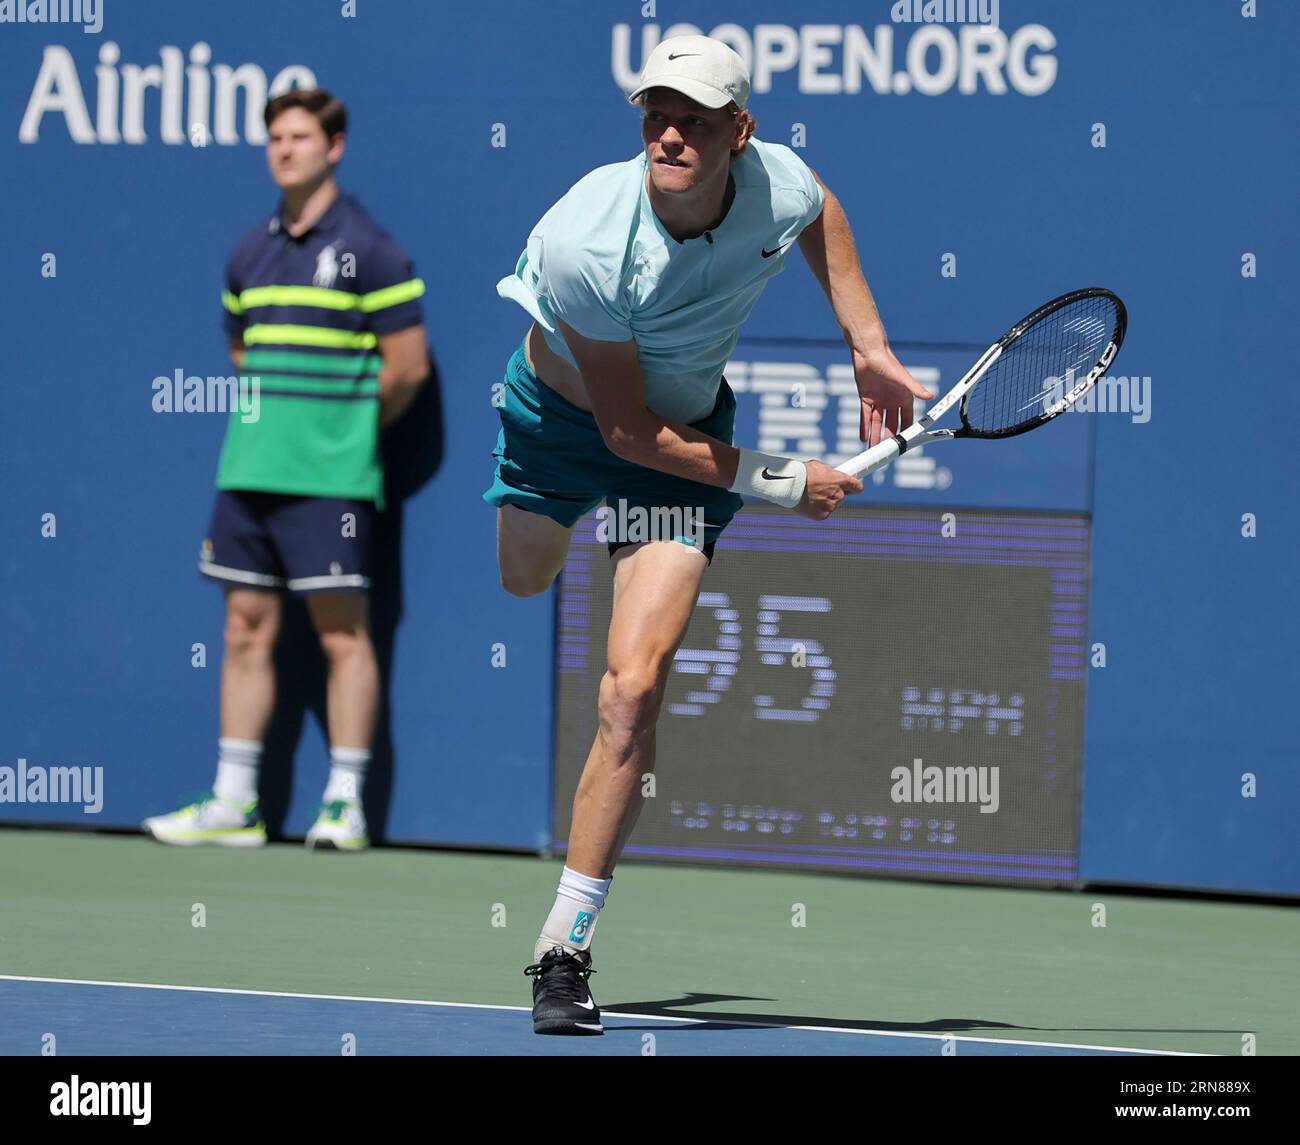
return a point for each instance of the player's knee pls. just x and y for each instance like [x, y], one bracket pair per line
[630, 696]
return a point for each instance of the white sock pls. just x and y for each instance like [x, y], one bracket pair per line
[347, 774]
[572, 921]
[237, 764]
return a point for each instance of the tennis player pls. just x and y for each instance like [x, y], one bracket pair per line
[321, 307]
[637, 281]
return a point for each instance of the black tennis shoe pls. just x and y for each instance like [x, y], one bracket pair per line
[562, 1003]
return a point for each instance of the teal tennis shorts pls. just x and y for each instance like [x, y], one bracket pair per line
[551, 459]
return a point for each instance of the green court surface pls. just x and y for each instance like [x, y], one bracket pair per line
[1163, 974]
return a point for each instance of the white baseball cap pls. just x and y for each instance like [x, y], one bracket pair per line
[702, 69]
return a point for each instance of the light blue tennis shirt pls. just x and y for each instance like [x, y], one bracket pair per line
[601, 261]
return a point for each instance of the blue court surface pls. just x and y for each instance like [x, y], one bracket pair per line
[138, 1019]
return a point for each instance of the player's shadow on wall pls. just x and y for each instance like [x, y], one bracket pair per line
[413, 451]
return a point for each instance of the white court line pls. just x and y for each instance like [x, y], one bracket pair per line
[604, 1014]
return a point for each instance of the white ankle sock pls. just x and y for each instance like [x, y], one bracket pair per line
[237, 765]
[572, 921]
[347, 774]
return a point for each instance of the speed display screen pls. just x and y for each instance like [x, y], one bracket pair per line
[896, 691]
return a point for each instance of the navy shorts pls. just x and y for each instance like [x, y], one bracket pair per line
[279, 541]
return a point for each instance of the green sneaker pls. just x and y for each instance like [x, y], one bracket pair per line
[209, 819]
[340, 826]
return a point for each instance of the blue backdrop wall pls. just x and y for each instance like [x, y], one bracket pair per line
[467, 122]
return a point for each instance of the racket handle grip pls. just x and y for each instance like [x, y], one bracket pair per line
[869, 460]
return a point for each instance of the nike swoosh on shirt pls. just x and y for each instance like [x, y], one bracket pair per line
[769, 253]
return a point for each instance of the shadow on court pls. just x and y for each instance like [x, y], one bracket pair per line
[682, 1007]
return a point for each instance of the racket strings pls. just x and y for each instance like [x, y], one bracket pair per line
[1041, 368]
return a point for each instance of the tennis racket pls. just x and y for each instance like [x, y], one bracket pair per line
[1039, 368]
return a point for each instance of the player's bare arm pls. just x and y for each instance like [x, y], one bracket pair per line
[611, 376]
[406, 366]
[615, 390]
[884, 385]
[237, 354]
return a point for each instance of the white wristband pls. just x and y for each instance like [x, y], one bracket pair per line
[778, 479]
